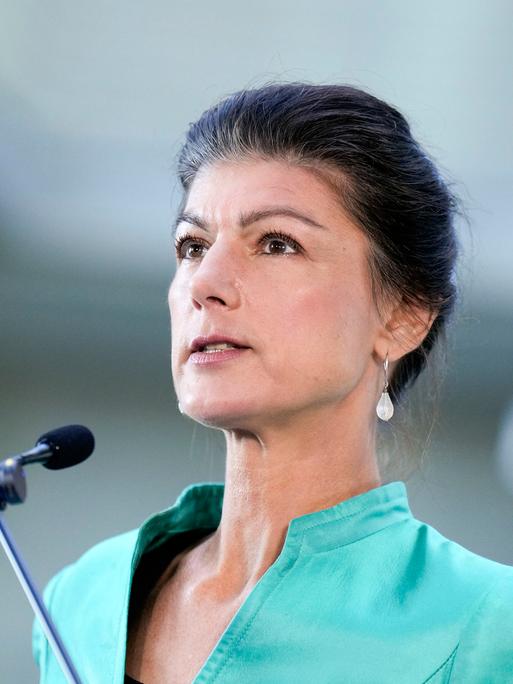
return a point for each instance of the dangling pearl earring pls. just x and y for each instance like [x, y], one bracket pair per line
[180, 408]
[385, 408]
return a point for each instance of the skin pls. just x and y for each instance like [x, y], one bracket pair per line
[298, 410]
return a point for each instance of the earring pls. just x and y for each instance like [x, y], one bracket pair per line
[180, 408]
[385, 408]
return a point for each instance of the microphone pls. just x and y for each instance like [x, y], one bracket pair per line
[60, 448]
[66, 446]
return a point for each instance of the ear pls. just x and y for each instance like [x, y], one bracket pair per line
[404, 331]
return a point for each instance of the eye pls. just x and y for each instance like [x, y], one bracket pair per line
[277, 237]
[187, 240]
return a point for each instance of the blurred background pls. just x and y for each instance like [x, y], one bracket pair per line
[95, 99]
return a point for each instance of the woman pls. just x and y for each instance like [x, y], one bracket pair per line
[317, 238]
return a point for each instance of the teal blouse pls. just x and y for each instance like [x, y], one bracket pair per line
[362, 592]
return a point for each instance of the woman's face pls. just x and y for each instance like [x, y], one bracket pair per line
[306, 312]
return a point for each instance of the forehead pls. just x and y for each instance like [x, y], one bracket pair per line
[220, 192]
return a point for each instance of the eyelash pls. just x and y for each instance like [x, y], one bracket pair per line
[273, 235]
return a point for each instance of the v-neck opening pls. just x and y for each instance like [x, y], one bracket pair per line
[149, 568]
[228, 637]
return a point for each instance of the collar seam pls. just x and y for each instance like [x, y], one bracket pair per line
[353, 541]
[363, 509]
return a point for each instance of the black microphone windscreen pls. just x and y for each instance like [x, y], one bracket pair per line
[70, 445]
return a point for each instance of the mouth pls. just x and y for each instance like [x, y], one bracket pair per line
[214, 356]
[215, 343]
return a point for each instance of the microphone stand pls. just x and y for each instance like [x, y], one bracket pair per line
[13, 491]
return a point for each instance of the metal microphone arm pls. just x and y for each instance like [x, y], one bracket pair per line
[13, 490]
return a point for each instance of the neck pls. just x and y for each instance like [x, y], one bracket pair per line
[277, 475]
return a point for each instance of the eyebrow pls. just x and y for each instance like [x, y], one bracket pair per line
[245, 219]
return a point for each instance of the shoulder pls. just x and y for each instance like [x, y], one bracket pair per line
[485, 649]
[459, 601]
[95, 584]
[475, 594]
[439, 555]
[106, 561]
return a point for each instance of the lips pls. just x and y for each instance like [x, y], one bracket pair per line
[200, 342]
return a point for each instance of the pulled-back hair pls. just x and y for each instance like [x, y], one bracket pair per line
[363, 148]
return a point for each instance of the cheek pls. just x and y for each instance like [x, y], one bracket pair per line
[176, 298]
[177, 324]
[172, 292]
[323, 332]
[321, 317]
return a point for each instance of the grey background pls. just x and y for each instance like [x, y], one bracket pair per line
[95, 99]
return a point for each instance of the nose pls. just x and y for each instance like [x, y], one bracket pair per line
[217, 278]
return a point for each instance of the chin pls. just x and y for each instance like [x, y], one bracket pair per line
[227, 415]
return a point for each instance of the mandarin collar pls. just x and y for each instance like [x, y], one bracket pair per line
[200, 504]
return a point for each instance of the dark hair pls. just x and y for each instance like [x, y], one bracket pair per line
[364, 149]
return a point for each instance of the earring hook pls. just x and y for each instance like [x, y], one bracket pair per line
[385, 365]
